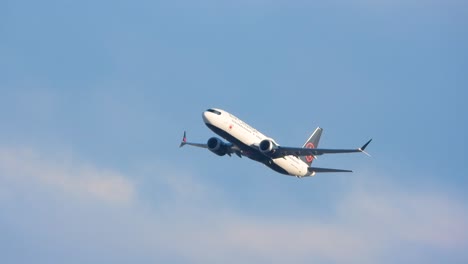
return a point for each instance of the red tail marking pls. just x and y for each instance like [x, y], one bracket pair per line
[309, 158]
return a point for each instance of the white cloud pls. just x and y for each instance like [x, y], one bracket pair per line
[61, 174]
[194, 224]
[430, 219]
[366, 226]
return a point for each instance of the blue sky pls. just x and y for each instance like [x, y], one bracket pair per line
[95, 96]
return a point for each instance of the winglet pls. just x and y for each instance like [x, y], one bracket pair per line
[184, 140]
[364, 147]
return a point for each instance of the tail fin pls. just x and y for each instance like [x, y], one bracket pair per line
[312, 142]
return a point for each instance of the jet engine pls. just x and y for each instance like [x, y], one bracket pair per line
[217, 146]
[267, 146]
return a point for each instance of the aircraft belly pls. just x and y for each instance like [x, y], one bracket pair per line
[283, 165]
[290, 167]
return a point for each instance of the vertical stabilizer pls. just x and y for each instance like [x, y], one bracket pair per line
[312, 142]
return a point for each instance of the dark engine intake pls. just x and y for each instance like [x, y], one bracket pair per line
[217, 146]
[267, 146]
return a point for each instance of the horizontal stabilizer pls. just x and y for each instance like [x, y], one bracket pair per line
[317, 170]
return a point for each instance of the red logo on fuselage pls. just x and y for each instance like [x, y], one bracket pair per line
[310, 158]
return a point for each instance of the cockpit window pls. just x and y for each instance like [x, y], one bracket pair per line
[214, 111]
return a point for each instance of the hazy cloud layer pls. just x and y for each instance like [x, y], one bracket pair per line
[190, 223]
[25, 166]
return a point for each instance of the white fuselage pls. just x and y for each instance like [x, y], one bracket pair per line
[232, 129]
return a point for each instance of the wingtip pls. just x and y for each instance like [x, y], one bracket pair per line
[364, 147]
[184, 140]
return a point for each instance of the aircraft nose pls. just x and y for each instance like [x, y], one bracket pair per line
[206, 117]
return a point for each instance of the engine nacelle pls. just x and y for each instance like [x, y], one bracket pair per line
[267, 146]
[217, 146]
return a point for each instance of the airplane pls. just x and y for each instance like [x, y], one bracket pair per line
[244, 140]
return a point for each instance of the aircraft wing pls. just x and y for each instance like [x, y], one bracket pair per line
[184, 142]
[200, 145]
[230, 147]
[285, 151]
